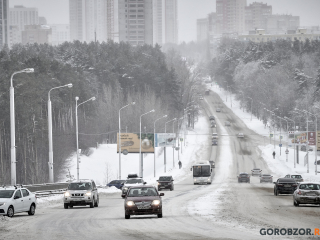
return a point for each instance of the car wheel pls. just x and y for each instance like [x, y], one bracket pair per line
[127, 216]
[92, 203]
[66, 205]
[70, 206]
[10, 212]
[97, 202]
[160, 215]
[276, 192]
[32, 210]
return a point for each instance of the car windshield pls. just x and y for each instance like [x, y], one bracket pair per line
[201, 171]
[143, 191]
[6, 193]
[80, 186]
[243, 174]
[310, 186]
[296, 176]
[256, 169]
[133, 181]
[164, 178]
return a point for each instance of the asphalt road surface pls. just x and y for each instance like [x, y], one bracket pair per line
[239, 211]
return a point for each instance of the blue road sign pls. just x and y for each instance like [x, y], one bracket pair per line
[280, 145]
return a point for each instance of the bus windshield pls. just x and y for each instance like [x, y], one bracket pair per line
[201, 171]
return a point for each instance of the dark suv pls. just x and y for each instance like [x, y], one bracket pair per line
[284, 185]
[165, 182]
[142, 200]
[244, 177]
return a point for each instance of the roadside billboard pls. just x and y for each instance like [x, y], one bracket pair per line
[301, 138]
[131, 142]
[165, 139]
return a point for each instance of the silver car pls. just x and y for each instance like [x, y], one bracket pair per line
[307, 193]
[81, 193]
[256, 171]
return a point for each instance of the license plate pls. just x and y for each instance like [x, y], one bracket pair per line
[311, 194]
[144, 207]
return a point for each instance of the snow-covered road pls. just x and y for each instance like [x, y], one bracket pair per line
[223, 210]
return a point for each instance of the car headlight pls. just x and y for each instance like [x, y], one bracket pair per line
[88, 194]
[130, 203]
[209, 179]
[156, 202]
[67, 194]
[195, 180]
[125, 188]
[2, 204]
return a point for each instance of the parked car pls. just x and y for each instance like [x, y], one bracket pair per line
[284, 185]
[256, 171]
[132, 182]
[243, 177]
[218, 110]
[307, 193]
[116, 183]
[304, 148]
[266, 178]
[142, 200]
[212, 163]
[211, 118]
[214, 142]
[227, 123]
[16, 200]
[214, 135]
[81, 193]
[296, 177]
[165, 182]
[240, 135]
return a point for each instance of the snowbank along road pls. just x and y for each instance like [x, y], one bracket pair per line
[225, 209]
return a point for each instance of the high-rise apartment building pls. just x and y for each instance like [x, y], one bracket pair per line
[36, 34]
[136, 21]
[171, 21]
[19, 17]
[60, 33]
[158, 22]
[281, 23]
[88, 20]
[256, 16]
[202, 29]
[4, 28]
[230, 16]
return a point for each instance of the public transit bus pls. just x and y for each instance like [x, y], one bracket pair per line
[202, 172]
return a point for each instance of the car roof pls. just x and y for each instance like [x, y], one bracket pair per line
[164, 176]
[143, 186]
[243, 173]
[309, 183]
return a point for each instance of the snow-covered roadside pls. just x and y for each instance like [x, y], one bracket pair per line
[278, 166]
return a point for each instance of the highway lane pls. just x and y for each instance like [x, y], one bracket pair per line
[241, 211]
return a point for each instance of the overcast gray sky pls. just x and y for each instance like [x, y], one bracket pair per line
[57, 11]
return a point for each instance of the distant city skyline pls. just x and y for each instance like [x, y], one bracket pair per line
[57, 12]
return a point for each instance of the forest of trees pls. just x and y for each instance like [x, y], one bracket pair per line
[115, 73]
[281, 75]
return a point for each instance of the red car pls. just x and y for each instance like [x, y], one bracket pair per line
[142, 200]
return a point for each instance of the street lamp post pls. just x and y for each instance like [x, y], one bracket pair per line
[307, 145]
[140, 156]
[12, 126]
[176, 138]
[77, 130]
[165, 153]
[315, 152]
[287, 135]
[294, 138]
[133, 103]
[154, 141]
[51, 178]
[274, 127]
[251, 107]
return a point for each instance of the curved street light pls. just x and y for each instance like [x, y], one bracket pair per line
[140, 156]
[77, 133]
[154, 141]
[50, 163]
[133, 103]
[294, 137]
[12, 126]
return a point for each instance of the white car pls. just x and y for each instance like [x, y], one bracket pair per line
[16, 200]
[132, 182]
[214, 135]
[307, 193]
[256, 171]
[240, 135]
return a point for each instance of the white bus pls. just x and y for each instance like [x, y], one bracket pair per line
[202, 172]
